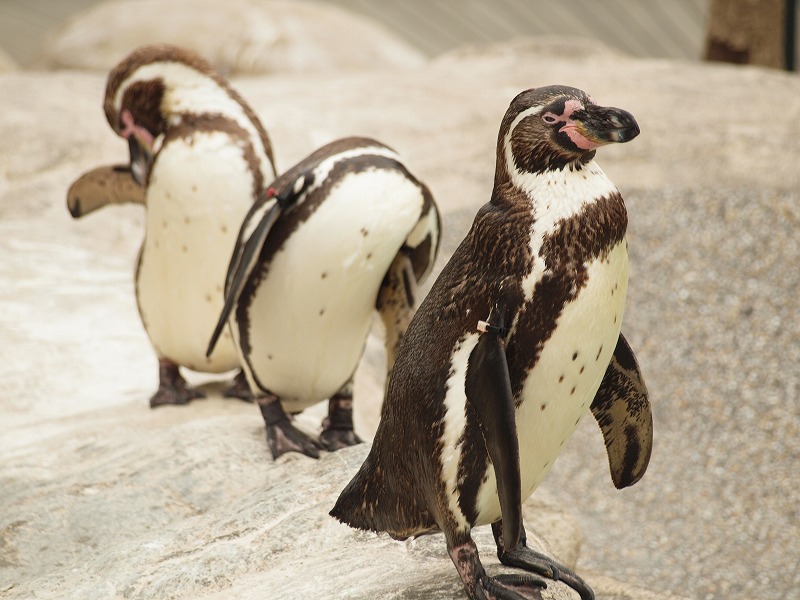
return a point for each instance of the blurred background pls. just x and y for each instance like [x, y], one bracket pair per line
[741, 31]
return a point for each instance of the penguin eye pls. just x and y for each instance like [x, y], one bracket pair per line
[549, 118]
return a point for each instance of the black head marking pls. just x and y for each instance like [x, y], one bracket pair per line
[554, 127]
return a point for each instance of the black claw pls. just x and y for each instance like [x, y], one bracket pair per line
[502, 587]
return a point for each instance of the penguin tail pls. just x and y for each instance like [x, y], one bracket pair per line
[370, 503]
[358, 505]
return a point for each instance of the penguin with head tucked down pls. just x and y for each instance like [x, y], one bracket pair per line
[346, 231]
[518, 337]
[199, 158]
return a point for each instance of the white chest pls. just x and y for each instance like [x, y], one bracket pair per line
[196, 200]
[310, 316]
[560, 388]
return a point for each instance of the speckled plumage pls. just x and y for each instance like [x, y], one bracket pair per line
[546, 262]
[347, 230]
[202, 157]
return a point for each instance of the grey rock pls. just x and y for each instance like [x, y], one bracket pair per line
[236, 36]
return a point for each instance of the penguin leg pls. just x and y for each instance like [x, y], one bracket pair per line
[337, 427]
[239, 388]
[172, 387]
[478, 585]
[282, 436]
[526, 558]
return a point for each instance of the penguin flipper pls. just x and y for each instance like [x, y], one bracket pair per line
[488, 391]
[110, 184]
[244, 259]
[622, 409]
[281, 197]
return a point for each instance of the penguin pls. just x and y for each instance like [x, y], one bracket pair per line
[519, 336]
[200, 157]
[347, 231]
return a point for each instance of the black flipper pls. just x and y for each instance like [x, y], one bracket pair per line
[251, 241]
[622, 409]
[488, 390]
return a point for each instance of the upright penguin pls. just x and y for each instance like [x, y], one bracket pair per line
[202, 157]
[347, 230]
[519, 335]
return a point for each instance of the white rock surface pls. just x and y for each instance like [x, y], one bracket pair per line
[236, 36]
[99, 495]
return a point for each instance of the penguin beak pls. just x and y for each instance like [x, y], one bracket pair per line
[141, 152]
[602, 125]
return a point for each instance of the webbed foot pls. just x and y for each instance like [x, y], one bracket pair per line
[337, 428]
[526, 558]
[239, 388]
[172, 387]
[282, 436]
[479, 586]
[514, 587]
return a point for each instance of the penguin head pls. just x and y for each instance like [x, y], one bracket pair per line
[156, 86]
[554, 127]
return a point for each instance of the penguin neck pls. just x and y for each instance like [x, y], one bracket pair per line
[556, 193]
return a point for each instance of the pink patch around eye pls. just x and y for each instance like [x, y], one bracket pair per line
[132, 128]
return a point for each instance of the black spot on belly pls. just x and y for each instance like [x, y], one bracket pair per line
[575, 355]
[543, 406]
[364, 232]
[269, 356]
[561, 379]
[187, 220]
[321, 311]
[369, 255]
[544, 466]
[583, 368]
[572, 391]
[208, 298]
[184, 248]
[224, 229]
[324, 275]
[599, 352]
[194, 188]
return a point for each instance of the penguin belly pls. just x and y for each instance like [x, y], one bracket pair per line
[309, 318]
[199, 192]
[561, 386]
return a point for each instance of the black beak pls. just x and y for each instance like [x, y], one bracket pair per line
[141, 159]
[606, 125]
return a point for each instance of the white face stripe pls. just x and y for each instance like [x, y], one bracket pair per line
[455, 402]
[555, 195]
[189, 90]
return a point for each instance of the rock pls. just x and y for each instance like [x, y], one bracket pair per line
[236, 36]
[90, 474]
[7, 64]
[192, 510]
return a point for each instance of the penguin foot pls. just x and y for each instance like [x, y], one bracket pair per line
[282, 436]
[479, 586]
[513, 587]
[528, 559]
[239, 388]
[337, 427]
[172, 387]
[336, 439]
